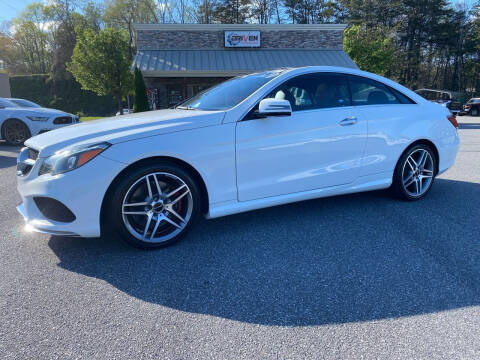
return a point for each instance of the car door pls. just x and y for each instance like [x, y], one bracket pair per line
[389, 114]
[320, 145]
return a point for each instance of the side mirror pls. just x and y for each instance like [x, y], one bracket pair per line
[274, 107]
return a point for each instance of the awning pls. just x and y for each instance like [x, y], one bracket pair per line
[193, 63]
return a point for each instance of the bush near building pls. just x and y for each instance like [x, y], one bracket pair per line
[65, 94]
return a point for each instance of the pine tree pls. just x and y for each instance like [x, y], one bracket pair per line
[141, 100]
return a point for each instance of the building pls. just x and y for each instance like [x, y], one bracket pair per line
[4, 85]
[179, 60]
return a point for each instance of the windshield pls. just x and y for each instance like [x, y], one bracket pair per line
[24, 103]
[7, 104]
[229, 93]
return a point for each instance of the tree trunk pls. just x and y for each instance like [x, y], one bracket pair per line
[119, 102]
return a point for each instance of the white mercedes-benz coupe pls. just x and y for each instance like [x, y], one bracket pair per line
[254, 141]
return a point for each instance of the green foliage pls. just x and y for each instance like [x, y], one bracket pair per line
[370, 48]
[100, 63]
[141, 100]
[65, 95]
[231, 11]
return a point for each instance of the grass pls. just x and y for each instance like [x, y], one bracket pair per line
[89, 118]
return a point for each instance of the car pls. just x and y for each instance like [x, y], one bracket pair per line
[450, 99]
[251, 142]
[125, 112]
[24, 103]
[17, 123]
[472, 107]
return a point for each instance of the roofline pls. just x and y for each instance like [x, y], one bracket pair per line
[196, 73]
[242, 49]
[217, 27]
[229, 73]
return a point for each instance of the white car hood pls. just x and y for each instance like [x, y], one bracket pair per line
[38, 111]
[123, 128]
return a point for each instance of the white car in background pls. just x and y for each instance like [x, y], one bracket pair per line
[251, 142]
[18, 123]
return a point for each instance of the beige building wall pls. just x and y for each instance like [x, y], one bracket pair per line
[4, 86]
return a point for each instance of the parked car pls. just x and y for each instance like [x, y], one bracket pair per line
[253, 141]
[472, 107]
[450, 99]
[125, 112]
[24, 103]
[17, 124]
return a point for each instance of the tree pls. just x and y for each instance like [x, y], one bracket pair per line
[123, 14]
[141, 100]
[231, 12]
[100, 63]
[371, 49]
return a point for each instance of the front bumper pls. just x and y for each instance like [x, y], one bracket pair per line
[43, 226]
[81, 190]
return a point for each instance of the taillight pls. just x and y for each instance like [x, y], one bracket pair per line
[453, 120]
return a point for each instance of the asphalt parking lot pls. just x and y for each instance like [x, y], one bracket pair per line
[352, 277]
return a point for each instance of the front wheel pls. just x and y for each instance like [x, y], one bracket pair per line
[415, 173]
[474, 112]
[154, 206]
[15, 132]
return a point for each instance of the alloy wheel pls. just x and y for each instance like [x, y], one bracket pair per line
[157, 207]
[15, 132]
[418, 172]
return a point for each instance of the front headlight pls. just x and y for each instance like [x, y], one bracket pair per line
[38, 118]
[72, 159]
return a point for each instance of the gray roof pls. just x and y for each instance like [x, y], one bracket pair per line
[233, 62]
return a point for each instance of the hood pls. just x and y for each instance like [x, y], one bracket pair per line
[53, 111]
[38, 111]
[123, 128]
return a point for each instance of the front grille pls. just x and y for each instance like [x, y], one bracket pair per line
[25, 161]
[63, 120]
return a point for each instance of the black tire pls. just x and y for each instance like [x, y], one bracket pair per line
[115, 219]
[474, 112]
[398, 189]
[15, 132]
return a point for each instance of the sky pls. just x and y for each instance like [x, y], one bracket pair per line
[11, 8]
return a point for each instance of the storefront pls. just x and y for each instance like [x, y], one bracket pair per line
[179, 60]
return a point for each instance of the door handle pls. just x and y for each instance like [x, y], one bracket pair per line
[349, 121]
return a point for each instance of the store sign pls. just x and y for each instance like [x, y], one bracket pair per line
[242, 39]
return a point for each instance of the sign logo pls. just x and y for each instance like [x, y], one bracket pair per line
[242, 38]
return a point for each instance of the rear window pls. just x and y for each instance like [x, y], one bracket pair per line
[370, 92]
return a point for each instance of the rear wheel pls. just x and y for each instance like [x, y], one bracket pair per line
[15, 132]
[154, 205]
[415, 173]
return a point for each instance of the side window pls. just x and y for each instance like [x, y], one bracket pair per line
[314, 91]
[402, 98]
[331, 91]
[298, 91]
[370, 92]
